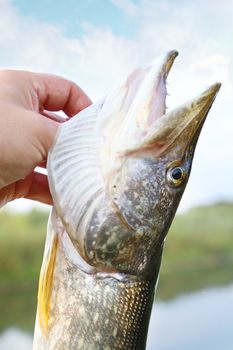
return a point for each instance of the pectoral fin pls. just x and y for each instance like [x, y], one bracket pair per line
[46, 280]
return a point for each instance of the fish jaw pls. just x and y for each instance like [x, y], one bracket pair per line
[180, 127]
[142, 97]
[145, 102]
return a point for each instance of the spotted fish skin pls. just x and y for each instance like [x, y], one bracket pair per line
[92, 312]
[117, 172]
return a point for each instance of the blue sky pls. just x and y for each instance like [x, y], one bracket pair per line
[71, 14]
[98, 42]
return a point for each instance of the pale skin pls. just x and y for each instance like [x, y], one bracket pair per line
[28, 124]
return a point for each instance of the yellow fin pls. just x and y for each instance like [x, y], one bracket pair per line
[46, 284]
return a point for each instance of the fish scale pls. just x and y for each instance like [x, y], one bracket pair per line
[122, 323]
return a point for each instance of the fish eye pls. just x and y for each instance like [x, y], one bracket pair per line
[176, 176]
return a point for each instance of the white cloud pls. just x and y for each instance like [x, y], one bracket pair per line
[127, 6]
[96, 60]
[99, 59]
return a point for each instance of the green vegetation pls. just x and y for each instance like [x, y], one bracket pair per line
[198, 251]
[198, 254]
[21, 251]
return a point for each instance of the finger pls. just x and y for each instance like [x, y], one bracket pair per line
[43, 165]
[53, 116]
[34, 186]
[56, 93]
[39, 189]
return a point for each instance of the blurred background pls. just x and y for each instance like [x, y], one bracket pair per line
[96, 44]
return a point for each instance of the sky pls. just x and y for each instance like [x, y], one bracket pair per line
[97, 43]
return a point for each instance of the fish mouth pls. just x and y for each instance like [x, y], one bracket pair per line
[157, 106]
[159, 128]
[145, 101]
[181, 125]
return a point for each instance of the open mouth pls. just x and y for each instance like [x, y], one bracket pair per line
[147, 91]
[158, 98]
[160, 128]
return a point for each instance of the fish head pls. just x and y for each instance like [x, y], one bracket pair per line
[147, 157]
[118, 215]
[148, 179]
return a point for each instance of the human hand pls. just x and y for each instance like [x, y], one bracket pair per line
[28, 128]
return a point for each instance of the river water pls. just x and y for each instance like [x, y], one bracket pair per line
[202, 321]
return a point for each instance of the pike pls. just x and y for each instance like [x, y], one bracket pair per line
[117, 172]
